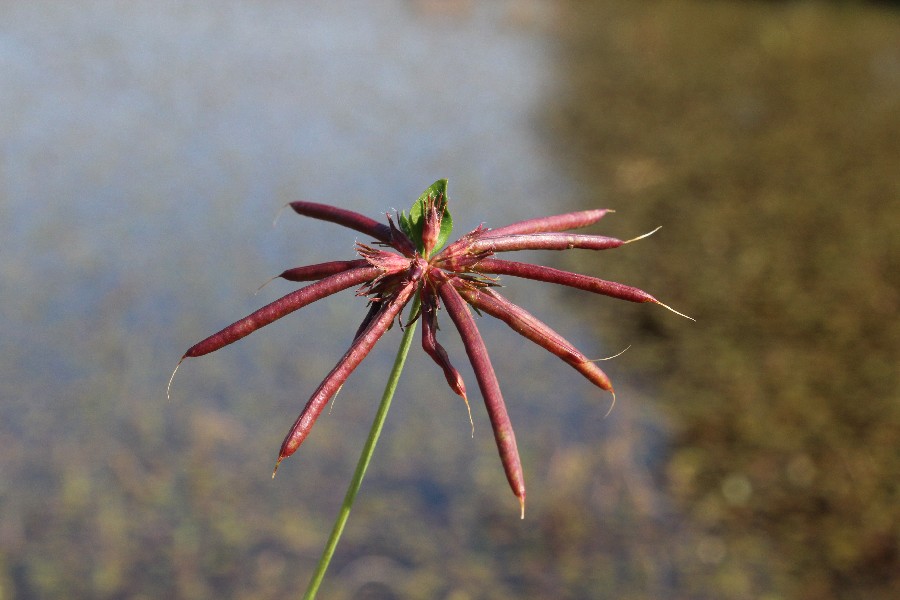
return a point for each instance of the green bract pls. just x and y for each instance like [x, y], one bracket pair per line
[414, 223]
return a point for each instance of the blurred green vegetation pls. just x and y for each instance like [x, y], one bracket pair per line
[751, 454]
[764, 138]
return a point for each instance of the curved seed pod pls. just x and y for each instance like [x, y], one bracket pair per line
[436, 351]
[526, 324]
[542, 241]
[490, 389]
[374, 307]
[456, 256]
[281, 307]
[342, 216]
[320, 270]
[358, 350]
[572, 220]
[495, 266]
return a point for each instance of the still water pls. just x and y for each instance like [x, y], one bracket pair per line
[147, 147]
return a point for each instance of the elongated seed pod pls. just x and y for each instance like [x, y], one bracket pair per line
[495, 266]
[526, 324]
[437, 352]
[358, 350]
[281, 307]
[563, 222]
[374, 307]
[457, 253]
[342, 216]
[320, 270]
[490, 389]
[542, 241]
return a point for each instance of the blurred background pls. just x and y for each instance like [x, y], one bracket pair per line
[146, 147]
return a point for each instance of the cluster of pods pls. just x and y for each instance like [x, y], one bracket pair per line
[406, 262]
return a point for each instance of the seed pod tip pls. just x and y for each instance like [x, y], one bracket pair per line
[674, 311]
[469, 408]
[640, 237]
[611, 404]
[169, 387]
[522, 507]
[265, 283]
[616, 355]
[278, 214]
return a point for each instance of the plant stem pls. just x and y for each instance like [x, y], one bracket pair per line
[365, 457]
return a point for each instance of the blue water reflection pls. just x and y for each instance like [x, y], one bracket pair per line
[145, 148]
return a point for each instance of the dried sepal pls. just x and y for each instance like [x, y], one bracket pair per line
[399, 239]
[388, 262]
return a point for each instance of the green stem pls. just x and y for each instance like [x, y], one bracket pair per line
[365, 457]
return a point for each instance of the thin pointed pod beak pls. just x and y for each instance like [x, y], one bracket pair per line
[640, 237]
[172, 378]
[667, 307]
[496, 266]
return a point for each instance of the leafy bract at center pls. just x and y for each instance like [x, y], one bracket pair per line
[413, 223]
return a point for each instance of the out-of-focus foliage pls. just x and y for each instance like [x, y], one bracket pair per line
[764, 139]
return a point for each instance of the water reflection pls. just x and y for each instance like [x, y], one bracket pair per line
[146, 148]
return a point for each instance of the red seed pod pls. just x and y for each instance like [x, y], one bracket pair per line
[526, 324]
[358, 350]
[490, 390]
[495, 266]
[542, 241]
[342, 216]
[281, 307]
[320, 270]
[573, 220]
[436, 351]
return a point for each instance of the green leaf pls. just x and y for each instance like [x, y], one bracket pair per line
[403, 222]
[415, 222]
